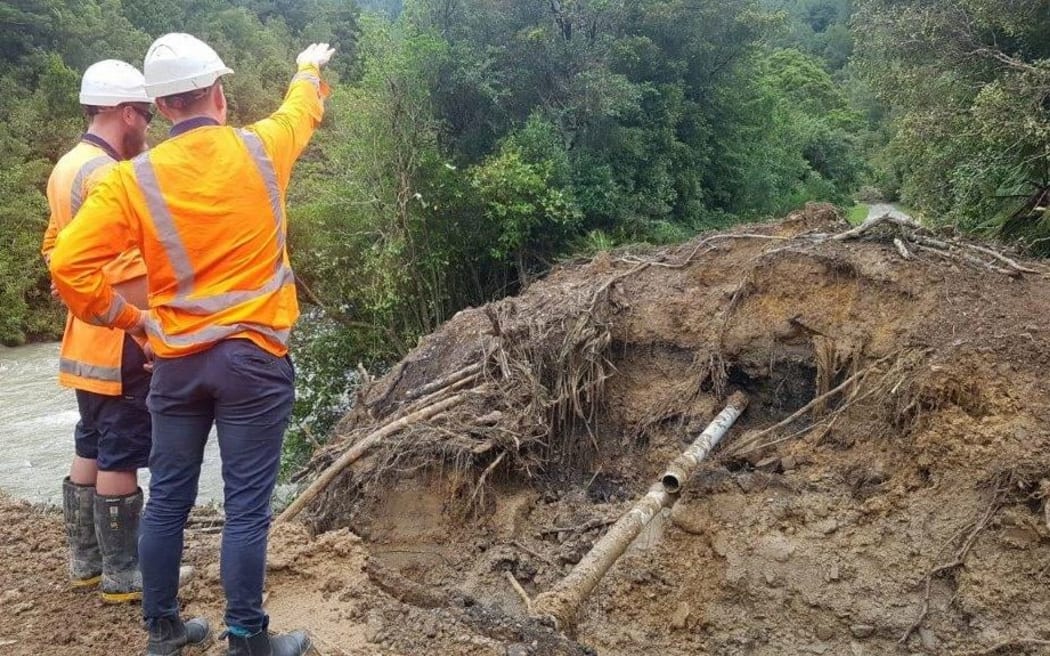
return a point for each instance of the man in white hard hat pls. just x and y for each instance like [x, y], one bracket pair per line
[206, 207]
[101, 497]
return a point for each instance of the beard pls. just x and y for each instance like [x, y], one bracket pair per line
[133, 143]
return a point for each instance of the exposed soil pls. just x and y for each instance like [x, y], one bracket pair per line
[821, 541]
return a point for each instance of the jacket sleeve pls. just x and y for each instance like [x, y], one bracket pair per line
[286, 132]
[104, 227]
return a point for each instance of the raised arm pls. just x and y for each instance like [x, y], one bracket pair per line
[286, 132]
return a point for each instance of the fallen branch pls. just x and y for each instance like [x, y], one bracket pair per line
[696, 249]
[1002, 258]
[641, 265]
[947, 249]
[435, 396]
[901, 248]
[873, 223]
[612, 281]
[532, 552]
[359, 449]
[943, 249]
[485, 474]
[704, 242]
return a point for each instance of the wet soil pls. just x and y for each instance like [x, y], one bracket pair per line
[923, 486]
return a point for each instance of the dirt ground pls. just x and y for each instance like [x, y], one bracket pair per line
[905, 514]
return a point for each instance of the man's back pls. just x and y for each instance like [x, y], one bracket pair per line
[213, 232]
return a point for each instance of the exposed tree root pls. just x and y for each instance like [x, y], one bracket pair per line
[958, 559]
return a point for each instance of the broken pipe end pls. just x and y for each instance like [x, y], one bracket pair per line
[672, 480]
[738, 400]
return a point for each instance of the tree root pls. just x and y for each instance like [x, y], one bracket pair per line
[361, 447]
[957, 560]
[752, 442]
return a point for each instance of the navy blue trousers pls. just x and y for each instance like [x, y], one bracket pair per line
[248, 394]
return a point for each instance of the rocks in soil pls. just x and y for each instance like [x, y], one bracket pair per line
[374, 626]
[826, 527]
[862, 631]
[775, 547]
[573, 552]
[680, 617]
[929, 639]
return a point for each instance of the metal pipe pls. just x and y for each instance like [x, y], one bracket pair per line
[684, 465]
[562, 601]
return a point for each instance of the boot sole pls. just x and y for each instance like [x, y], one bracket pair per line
[190, 646]
[120, 597]
[81, 584]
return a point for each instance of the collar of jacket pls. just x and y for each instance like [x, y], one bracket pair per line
[191, 124]
[96, 140]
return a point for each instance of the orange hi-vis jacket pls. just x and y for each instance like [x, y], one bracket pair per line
[207, 209]
[91, 354]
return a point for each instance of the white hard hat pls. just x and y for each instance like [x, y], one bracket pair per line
[111, 82]
[177, 63]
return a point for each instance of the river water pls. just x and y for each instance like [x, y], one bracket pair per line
[36, 423]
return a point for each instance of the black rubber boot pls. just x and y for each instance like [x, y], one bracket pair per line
[85, 559]
[262, 643]
[167, 636]
[117, 525]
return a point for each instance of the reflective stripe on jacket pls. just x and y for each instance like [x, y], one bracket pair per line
[91, 354]
[207, 209]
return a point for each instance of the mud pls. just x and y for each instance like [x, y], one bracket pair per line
[930, 474]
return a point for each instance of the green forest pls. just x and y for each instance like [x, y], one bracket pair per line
[470, 145]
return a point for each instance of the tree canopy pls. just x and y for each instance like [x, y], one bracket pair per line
[468, 145]
[968, 83]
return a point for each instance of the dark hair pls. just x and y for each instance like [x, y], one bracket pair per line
[186, 100]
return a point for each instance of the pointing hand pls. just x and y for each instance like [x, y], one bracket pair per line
[317, 54]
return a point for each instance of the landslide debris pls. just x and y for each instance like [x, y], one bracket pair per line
[885, 487]
[903, 501]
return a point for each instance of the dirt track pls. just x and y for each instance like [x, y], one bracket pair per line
[822, 543]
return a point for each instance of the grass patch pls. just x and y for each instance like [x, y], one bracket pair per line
[856, 214]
